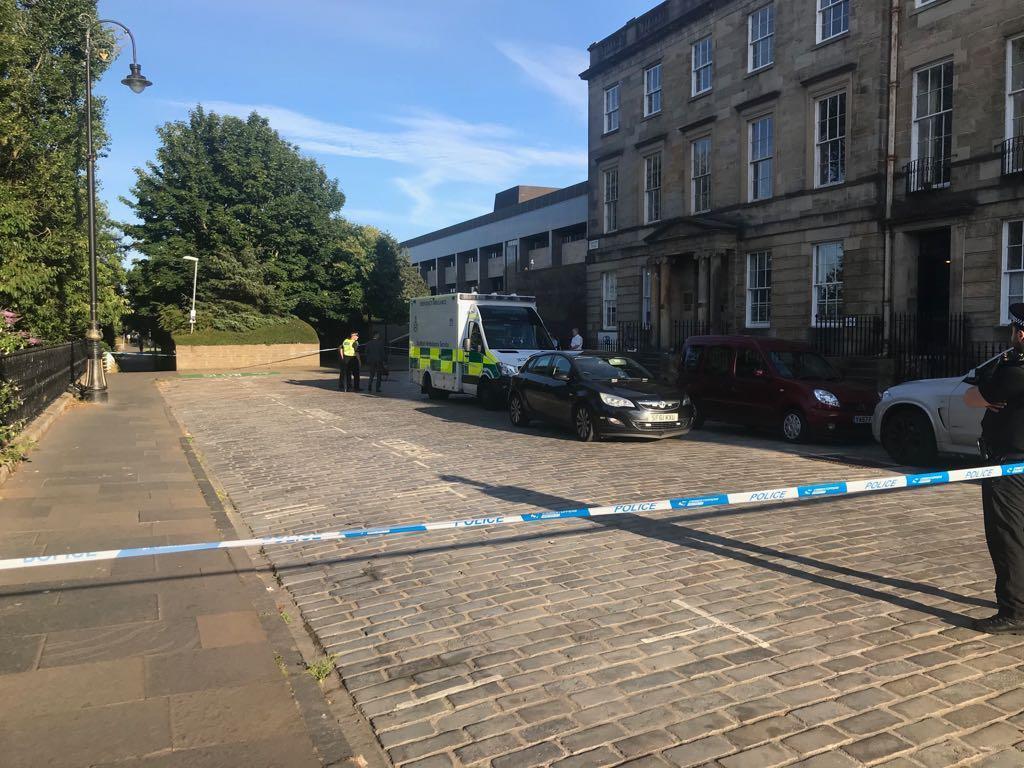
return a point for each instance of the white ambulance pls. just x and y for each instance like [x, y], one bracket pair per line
[471, 343]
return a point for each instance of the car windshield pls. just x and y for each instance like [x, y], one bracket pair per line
[514, 328]
[611, 369]
[797, 364]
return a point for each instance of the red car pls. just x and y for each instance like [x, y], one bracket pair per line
[767, 382]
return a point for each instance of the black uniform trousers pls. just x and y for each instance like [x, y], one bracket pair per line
[376, 371]
[1002, 499]
[349, 380]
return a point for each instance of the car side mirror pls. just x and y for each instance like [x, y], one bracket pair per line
[467, 345]
[562, 376]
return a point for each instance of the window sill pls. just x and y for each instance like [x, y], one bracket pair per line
[612, 132]
[758, 325]
[650, 116]
[701, 95]
[701, 213]
[922, 8]
[759, 70]
[829, 41]
[832, 185]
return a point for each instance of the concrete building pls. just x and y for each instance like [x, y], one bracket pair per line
[533, 243]
[752, 170]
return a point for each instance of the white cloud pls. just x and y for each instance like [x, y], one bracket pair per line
[439, 150]
[555, 68]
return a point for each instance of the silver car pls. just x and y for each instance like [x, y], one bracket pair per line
[917, 420]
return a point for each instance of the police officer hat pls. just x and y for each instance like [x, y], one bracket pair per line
[1017, 315]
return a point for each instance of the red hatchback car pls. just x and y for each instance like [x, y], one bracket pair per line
[767, 382]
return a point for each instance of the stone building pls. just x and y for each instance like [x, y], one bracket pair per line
[752, 170]
[533, 243]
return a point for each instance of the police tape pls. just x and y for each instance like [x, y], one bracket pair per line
[797, 492]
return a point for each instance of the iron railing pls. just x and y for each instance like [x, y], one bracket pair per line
[848, 335]
[1013, 155]
[634, 336]
[927, 173]
[936, 347]
[41, 375]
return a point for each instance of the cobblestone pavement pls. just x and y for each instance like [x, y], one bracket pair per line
[824, 634]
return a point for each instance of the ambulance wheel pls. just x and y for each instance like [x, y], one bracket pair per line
[489, 395]
[429, 391]
[517, 413]
[583, 422]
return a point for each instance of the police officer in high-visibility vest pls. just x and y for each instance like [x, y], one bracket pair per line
[1000, 392]
[349, 351]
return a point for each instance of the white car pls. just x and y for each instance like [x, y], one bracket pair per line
[917, 420]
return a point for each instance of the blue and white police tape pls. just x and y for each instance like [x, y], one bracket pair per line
[798, 492]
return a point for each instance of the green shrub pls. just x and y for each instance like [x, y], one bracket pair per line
[277, 330]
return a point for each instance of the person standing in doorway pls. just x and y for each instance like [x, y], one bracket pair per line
[373, 356]
[350, 364]
[576, 343]
[1000, 392]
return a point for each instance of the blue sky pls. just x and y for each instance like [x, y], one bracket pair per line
[422, 109]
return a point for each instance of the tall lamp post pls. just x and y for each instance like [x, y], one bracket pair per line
[96, 381]
[195, 275]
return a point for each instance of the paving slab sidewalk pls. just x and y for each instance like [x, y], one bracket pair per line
[171, 661]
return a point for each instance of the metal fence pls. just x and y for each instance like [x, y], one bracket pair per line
[634, 336]
[42, 374]
[929, 348]
[849, 336]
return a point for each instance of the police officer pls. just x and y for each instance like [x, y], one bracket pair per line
[1000, 392]
[349, 351]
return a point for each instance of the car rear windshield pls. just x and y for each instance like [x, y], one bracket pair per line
[514, 328]
[611, 369]
[797, 364]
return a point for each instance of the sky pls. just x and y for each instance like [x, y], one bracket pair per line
[421, 109]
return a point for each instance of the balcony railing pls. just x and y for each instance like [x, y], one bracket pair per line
[1013, 155]
[927, 173]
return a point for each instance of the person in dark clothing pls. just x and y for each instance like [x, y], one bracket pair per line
[374, 357]
[1000, 391]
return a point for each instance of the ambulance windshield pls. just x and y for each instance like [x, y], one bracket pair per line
[514, 328]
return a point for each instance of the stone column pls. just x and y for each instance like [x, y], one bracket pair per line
[664, 294]
[703, 289]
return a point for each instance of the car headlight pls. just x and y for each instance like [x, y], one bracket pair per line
[685, 400]
[616, 402]
[507, 370]
[825, 397]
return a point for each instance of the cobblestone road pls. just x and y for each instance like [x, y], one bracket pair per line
[822, 634]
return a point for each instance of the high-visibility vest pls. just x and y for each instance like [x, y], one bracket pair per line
[348, 348]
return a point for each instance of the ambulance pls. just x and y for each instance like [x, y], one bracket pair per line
[470, 343]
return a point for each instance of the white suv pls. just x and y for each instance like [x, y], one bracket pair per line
[917, 420]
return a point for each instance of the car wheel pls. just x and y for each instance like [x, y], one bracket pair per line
[698, 415]
[794, 427]
[583, 421]
[908, 437]
[517, 411]
[489, 395]
[433, 394]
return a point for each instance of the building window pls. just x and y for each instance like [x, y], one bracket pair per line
[652, 90]
[700, 183]
[827, 298]
[830, 140]
[609, 296]
[932, 137]
[611, 199]
[833, 18]
[923, 3]
[646, 280]
[761, 28]
[1013, 266]
[1015, 88]
[702, 66]
[652, 188]
[611, 108]
[760, 163]
[759, 289]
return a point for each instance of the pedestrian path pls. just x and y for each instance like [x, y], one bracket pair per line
[177, 661]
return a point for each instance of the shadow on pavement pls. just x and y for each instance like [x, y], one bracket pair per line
[517, 495]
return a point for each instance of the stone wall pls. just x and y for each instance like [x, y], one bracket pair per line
[251, 356]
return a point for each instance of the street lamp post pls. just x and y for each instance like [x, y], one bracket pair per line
[195, 275]
[96, 381]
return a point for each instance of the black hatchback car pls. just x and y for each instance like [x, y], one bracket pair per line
[597, 394]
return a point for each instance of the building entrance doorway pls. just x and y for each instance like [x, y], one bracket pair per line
[933, 266]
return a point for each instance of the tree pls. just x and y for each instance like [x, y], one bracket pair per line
[393, 281]
[43, 241]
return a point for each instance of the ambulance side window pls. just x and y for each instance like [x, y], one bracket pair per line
[476, 339]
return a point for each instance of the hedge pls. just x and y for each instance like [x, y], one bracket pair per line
[289, 330]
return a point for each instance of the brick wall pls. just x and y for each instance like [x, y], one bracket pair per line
[255, 356]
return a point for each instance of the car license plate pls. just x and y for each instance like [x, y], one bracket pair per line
[658, 417]
[861, 419]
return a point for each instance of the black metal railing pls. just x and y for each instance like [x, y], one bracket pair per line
[848, 335]
[1013, 155]
[41, 374]
[936, 347]
[635, 336]
[927, 173]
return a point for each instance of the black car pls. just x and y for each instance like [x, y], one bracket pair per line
[597, 394]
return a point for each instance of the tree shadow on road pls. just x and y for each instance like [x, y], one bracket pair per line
[517, 495]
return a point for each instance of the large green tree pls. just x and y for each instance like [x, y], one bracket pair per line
[43, 245]
[264, 222]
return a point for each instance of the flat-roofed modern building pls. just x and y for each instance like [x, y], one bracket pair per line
[533, 243]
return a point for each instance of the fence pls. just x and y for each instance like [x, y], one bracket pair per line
[637, 337]
[929, 348]
[41, 375]
[848, 336]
